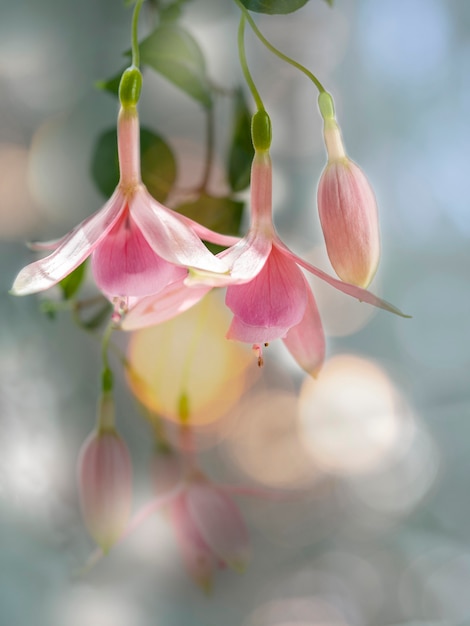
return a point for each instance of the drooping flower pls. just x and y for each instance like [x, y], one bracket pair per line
[137, 246]
[209, 528]
[347, 208]
[105, 480]
[266, 289]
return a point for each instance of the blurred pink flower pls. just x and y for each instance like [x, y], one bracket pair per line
[209, 528]
[137, 245]
[347, 209]
[105, 481]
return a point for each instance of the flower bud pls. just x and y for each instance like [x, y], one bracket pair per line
[348, 213]
[105, 485]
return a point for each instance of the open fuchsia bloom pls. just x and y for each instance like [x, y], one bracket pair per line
[137, 246]
[266, 289]
[209, 528]
[347, 209]
[105, 481]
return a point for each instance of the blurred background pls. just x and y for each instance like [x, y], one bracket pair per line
[373, 457]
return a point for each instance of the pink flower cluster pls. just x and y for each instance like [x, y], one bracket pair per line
[152, 263]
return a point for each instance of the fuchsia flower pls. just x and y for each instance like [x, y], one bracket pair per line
[347, 209]
[266, 289]
[137, 245]
[209, 528]
[105, 480]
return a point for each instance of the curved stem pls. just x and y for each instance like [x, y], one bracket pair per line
[134, 34]
[107, 375]
[277, 52]
[244, 64]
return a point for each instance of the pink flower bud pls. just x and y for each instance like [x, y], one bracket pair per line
[348, 214]
[105, 484]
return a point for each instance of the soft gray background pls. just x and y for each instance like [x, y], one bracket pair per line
[384, 545]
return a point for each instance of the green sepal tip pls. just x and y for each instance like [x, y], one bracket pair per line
[261, 133]
[326, 106]
[130, 87]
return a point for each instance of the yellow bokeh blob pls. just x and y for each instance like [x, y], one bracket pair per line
[186, 365]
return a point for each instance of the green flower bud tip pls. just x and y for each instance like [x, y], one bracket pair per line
[326, 105]
[130, 87]
[261, 130]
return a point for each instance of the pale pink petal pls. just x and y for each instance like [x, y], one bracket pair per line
[170, 237]
[209, 235]
[351, 290]
[276, 297]
[220, 524]
[306, 340]
[238, 331]
[72, 251]
[124, 264]
[198, 556]
[171, 301]
[245, 260]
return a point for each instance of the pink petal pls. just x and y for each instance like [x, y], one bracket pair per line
[238, 331]
[198, 556]
[351, 290]
[171, 301]
[72, 251]
[209, 235]
[276, 297]
[306, 340]
[169, 236]
[220, 524]
[124, 264]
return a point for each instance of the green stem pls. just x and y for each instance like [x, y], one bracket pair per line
[135, 35]
[277, 52]
[107, 375]
[209, 150]
[244, 64]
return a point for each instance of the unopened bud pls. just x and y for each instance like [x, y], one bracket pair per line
[348, 214]
[105, 484]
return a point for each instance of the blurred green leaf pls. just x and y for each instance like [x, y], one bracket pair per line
[174, 53]
[158, 163]
[274, 7]
[220, 214]
[72, 283]
[241, 150]
[112, 84]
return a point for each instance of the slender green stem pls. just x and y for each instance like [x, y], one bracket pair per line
[107, 375]
[135, 35]
[277, 52]
[244, 64]
[209, 149]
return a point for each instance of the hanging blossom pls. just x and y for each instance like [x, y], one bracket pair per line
[266, 289]
[137, 246]
[347, 208]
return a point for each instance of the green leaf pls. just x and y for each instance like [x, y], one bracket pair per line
[174, 53]
[72, 283]
[274, 7]
[112, 84]
[217, 213]
[241, 150]
[158, 163]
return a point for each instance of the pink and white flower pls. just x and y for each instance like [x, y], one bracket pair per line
[137, 246]
[266, 289]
